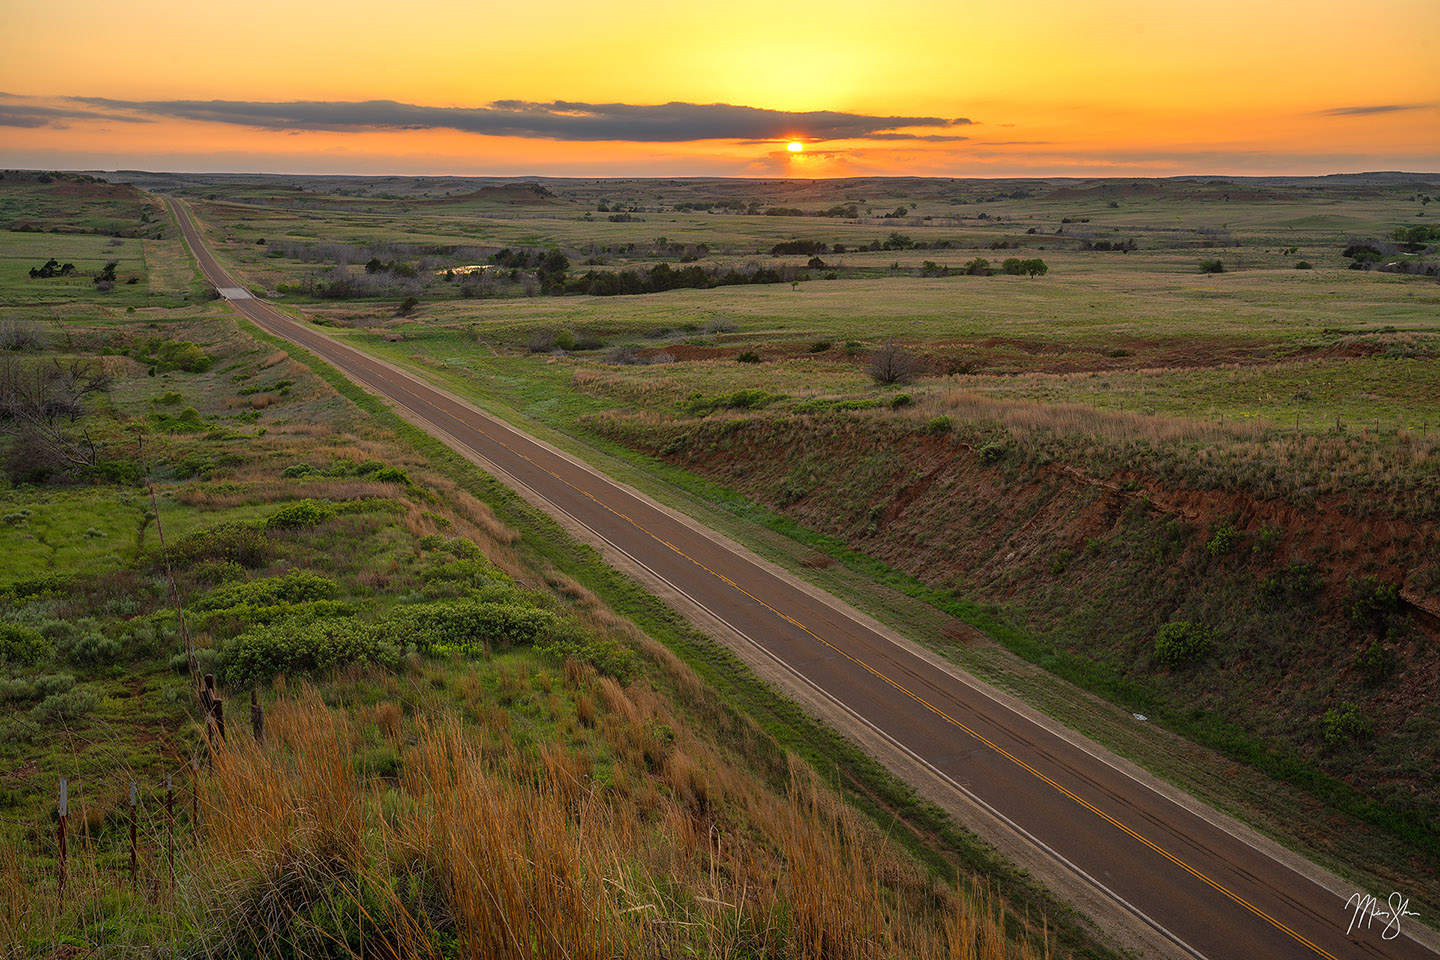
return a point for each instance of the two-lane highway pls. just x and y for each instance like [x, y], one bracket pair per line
[1209, 892]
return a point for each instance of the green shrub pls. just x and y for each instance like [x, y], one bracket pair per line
[1296, 582]
[216, 571]
[297, 586]
[183, 355]
[820, 346]
[234, 542]
[301, 513]
[939, 425]
[749, 399]
[605, 654]
[116, 471]
[1223, 540]
[747, 356]
[1211, 266]
[298, 649]
[53, 683]
[1304, 265]
[391, 475]
[186, 421]
[901, 401]
[1182, 642]
[169, 398]
[70, 705]
[92, 649]
[21, 645]
[194, 465]
[475, 572]
[296, 470]
[1345, 723]
[992, 452]
[1376, 663]
[1371, 602]
[15, 688]
[473, 626]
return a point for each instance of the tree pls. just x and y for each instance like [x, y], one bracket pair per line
[42, 404]
[892, 363]
[1035, 268]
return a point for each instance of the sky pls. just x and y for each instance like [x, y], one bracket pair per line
[1058, 88]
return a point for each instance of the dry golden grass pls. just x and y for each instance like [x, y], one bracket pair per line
[519, 852]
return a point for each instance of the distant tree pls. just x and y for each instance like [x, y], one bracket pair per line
[979, 267]
[1035, 268]
[407, 306]
[892, 363]
[41, 406]
[1013, 266]
[1212, 266]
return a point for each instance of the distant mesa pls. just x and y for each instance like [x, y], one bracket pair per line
[528, 194]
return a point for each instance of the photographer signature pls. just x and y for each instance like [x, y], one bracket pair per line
[1367, 909]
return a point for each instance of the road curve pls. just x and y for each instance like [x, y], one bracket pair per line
[1209, 893]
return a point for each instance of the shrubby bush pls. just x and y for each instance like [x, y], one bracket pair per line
[301, 513]
[1223, 541]
[1182, 642]
[70, 705]
[53, 683]
[234, 542]
[92, 648]
[605, 654]
[1345, 723]
[294, 648]
[297, 586]
[21, 645]
[992, 452]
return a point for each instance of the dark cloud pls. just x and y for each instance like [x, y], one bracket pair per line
[32, 115]
[561, 120]
[928, 137]
[1366, 111]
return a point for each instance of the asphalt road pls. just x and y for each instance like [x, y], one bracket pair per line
[1210, 893]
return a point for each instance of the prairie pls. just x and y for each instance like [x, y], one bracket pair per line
[1128, 441]
[448, 686]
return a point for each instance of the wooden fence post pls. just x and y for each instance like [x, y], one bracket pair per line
[195, 799]
[170, 831]
[257, 716]
[134, 864]
[60, 830]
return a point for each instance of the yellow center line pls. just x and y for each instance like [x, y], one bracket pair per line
[901, 688]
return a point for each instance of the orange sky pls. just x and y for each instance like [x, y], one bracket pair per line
[1108, 87]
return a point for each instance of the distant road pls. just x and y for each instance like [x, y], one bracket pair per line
[1208, 892]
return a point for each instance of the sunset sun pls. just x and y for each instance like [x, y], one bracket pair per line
[795, 146]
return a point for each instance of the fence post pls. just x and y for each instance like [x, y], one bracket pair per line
[170, 831]
[133, 860]
[195, 799]
[257, 716]
[60, 830]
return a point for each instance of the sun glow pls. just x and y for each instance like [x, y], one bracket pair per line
[795, 146]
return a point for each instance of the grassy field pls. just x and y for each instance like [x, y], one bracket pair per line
[440, 654]
[1063, 471]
